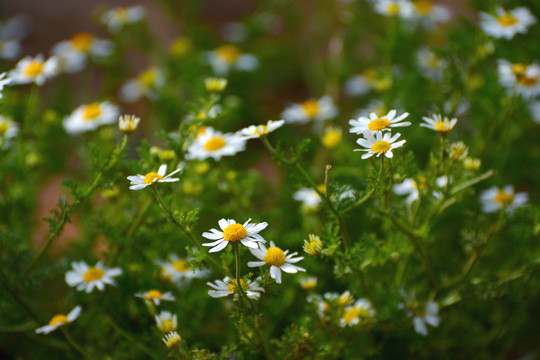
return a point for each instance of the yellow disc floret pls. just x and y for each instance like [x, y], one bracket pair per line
[380, 146]
[229, 53]
[311, 107]
[393, 9]
[274, 256]
[231, 287]
[503, 198]
[507, 20]
[378, 124]
[153, 294]
[152, 177]
[180, 265]
[93, 274]
[443, 126]
[34, 68]
[214, 143]
[91, 111]
[234, 232]
[58, 320]
[82, 41]
[423, 7]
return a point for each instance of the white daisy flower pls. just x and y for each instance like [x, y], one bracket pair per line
[247, 234]
[227, 286]
[506, 24]
[139, 181]
[381, 143]
[73, 53]
[89, 117]
[116, 18]
[9, 49]
[494, 199]
[215, 144]
[145, 85]
[256, 131]
[35, 70]
[8, 130]
[166, 322]
[4, 80]
[156, 296]
[534, 107]
[352, 315]
[521, 78]
[430, 14]
[309, 197]
[86, 278]
[177, 271]
[172, 339]
[401, 8]
[308, 282]
[430, 64]
[375, 123]
[128, 123]
[214, 84]
[311, 109]
[407, 187]
[439, 124]
[60, 320]
[421, 317]
[228, 57]
[360, 84]
[277, 259]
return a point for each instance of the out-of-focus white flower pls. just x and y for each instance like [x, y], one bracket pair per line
[375, 123]
[156, 296]
[214, 144]
[8, 130]
[4, 80]
[60, 320]
[227, 286]
[311, 109]
[144, 85]
[430, 64]
[247, 234]
[401, 8]
[379, 144]
[421, 317]
[74, 53]
[308, 282]
[87, 278]
[91, 116]
[139, 181]
[117, 18]
[256, 131]
[494, 199]
[228, 57]
[352, 315]
[521, 78]
[12, 31]
[276, 259]
[360, 84]
[177, 270]
[534, 107]
[172, 339]
[35, 70]
[166, 322]
[310, 198]
[430, 14]
[213, 84]
[506, 24]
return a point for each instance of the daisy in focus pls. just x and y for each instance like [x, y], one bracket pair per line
[439, 124]
[312, 109]
[521, 78]
[276, 259]
[227, 286]
[60, 320]
[215, 144]
[256, 131]
[156, 296]
[379, 144]
[4, 80]
[228, 57]
[34, 70]
[166, 322]
[495, 199]
[90, 116]
[139, 181]
[247, 234]
[401, 8]
[117, 18]
[177, 271]
[375, 123]
[354, 314]
[8, 130]
[421, 316]
[87, 278]
[73, 54]
[145, 85]
[506, 24]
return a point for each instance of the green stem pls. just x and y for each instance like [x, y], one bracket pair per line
[131, 339]
[369, 193]
[472, 182]
[237, 256]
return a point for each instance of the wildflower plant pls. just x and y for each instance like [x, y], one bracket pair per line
[145, 188]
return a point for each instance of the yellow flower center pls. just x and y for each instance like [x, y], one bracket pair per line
[274, 256]
[519, 69]
[4, 127]
[93, 274]
[234, 232]
[420, 313]
[121, 14]
[167, 326]
[214, 144]
[91, 111]
[504, 198]
[82, 41]
[148, 78]
[34, 68]
[380, 146]
[349, 315]
[151, 176]
[180, 265]
[393, 9]
[153, 294]
[331, 139]
[233, 285]
[229, 53]
[321, 188]
[378, 124]
[180, 47]
[528, 81]
[507, 20]
[58, 320]
[423, 7]
[443, 126]
[311, 107]
[261, 130]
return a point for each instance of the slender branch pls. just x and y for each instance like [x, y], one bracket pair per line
[472, 182]
[369, 193]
